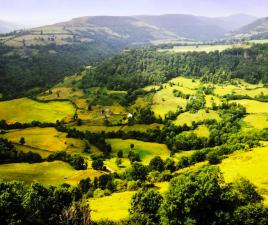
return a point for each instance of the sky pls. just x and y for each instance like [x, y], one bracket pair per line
[40, 12]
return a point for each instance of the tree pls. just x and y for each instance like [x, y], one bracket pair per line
[213, 158]
[133, 157]
[76, 214]
[138, 171]
[157, 164]
[192, 197]
[145, 204]
[78, 162]
[118, 161]
[22, 141]
[84, 185]
[120, 154]
[97, 164]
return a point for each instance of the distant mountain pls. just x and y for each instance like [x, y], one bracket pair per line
[128, 30]
[235, 22]
[6, 27]
[42, 56]
[257, 29]
[196, 27]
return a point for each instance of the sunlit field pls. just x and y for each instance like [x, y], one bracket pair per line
[25, 110]
[252, 165]
[47, 173]
[188, 118]
[146, 150]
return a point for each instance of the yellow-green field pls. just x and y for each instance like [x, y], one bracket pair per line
[258, 121]
[114, 207]
[211, 99]
[252, 165]
[243, 89]
[188, 118]
[181, 154]
[45, 141]
[25, 110]
[202, 131]
[146, 150]
[253, 106]
[263, 41]
[136, 127]
[47, 173]
[201, 48]
[164, 100]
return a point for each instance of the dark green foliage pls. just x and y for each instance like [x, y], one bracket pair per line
[84, 185]
[143, 116]
[157, 164]
[133, 157]
[76, 161]
[137, 171]
[120, 154]
[201, 198]
[213, 158]
[34, 204]
[147, 66]
[144, 207]
[22, 141]
[97, 164]
[35, 67]
[9, 154]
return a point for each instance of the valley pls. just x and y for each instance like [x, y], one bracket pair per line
[101, 111]
[135, 120]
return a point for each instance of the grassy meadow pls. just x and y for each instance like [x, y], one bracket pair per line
[258, 121]
[188, 118]
[146, 150]
[114, 207]
[25, 110]
[44, 141]
[253, 106]
[251, 165]
[199, 48]
[47, 173]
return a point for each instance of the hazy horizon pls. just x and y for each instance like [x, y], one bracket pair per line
[36, 12]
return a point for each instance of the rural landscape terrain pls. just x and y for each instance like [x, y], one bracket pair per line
[135, 120]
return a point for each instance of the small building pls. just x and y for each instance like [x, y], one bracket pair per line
[129, 115]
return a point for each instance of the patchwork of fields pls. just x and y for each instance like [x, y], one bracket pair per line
[95, 112]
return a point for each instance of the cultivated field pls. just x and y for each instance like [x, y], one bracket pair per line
[252, 165]
[47, 173]
[44, 141]
[114, 207]
[253, 106]
[188, 118]
[146, 150]
[201, 48]
[25, 110]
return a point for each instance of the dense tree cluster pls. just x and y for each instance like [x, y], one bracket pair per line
[200, 197]
[38, 205]
[9, 154]
[140, 67]
[24, 69]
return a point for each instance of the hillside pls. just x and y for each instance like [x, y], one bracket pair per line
[143, 127]
[198, 28]
[38, 58]
[256, 30]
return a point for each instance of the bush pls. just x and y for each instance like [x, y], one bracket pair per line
[213, 157]
[97, 164]
[98, 193]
